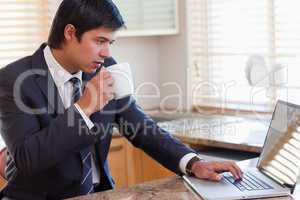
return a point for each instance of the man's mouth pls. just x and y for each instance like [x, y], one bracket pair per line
[98, 64]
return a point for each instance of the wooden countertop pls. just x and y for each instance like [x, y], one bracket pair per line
[166, 189]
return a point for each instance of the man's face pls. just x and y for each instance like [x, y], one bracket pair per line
[89, 53]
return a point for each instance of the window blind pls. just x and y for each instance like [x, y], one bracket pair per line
[24, 24]
[287, 45]
[222, 36]
[282, 161]
[143, 15]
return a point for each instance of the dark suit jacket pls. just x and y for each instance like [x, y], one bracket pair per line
[43, 146]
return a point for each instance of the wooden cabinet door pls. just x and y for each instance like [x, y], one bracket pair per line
[131, 166]
[117, 160]
[152, 170]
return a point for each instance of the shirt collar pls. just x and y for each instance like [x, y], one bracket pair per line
[59, 74]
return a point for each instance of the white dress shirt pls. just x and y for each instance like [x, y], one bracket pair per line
[61, 79]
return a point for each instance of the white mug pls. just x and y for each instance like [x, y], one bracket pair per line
[123, 80]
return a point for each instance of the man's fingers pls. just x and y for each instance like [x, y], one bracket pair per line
[211, 170]
[208, 174]
[234, 172]
[231, 167]
[104, 73]
[238, 169]
[110, 82]
[213, 176]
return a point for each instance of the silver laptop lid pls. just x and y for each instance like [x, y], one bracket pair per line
[280, 158]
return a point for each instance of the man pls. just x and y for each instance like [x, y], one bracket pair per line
[57, 111]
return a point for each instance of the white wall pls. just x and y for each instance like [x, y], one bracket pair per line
[158, 60]
[174, 64]
[143, 55]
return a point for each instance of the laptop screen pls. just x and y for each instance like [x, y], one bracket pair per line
[280, 158]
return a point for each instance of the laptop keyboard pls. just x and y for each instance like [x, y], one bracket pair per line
[249, 182]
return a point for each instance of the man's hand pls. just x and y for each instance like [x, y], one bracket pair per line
[210, 170]
[98, 92]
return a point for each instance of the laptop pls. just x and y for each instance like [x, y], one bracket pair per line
[277, 170]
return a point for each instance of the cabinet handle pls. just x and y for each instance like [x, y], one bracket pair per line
[116, 148]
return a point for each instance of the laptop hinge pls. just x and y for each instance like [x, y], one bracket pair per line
[291, 187]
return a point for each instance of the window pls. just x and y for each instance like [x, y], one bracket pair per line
[144, 17]
[24, 24]
[222, 36]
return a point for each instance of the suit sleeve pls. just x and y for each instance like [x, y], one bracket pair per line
[35, 148]
[145, 134]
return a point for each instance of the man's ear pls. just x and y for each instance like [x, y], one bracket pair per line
[69, 32]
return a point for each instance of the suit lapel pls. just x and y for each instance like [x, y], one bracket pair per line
[46, 83]
[55, 106]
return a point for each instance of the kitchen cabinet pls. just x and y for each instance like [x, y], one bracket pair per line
[152, 170]
[130, 166]
[118, 162]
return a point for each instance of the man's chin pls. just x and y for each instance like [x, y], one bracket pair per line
[93, 71]
[89, 70]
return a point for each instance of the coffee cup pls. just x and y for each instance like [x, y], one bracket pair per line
[123, 80]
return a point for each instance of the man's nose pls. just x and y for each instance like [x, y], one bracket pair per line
[105, 51]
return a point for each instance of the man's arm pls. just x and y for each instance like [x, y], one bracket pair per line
[144, 133]
[32, 147]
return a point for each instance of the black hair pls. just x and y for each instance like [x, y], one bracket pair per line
[84, 15]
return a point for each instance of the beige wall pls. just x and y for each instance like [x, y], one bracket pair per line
[174, 63]
[143, 55]
[159, 60]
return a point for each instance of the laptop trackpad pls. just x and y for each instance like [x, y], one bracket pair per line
[214, 190]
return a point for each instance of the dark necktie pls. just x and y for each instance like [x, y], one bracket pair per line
[86, 185]
[76, 89]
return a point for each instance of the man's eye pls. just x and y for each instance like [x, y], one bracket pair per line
[101, 42]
